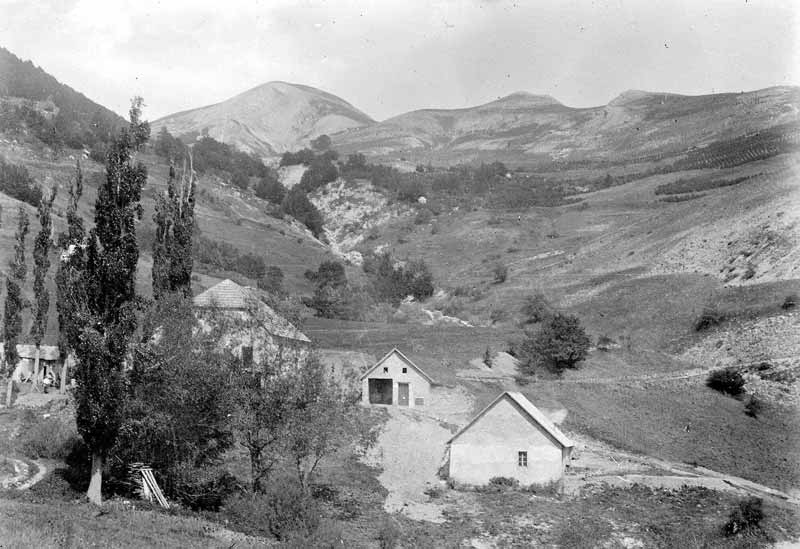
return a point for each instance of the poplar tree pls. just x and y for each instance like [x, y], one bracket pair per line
[41, 264]
[172, 247]
[12, 315]
[107, 320]
[69, 274]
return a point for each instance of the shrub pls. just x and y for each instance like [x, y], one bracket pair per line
[15, 181]
[505, 482]
[535, 308]
[753, 407]
[790, 302]
[709, 318]
[604, 343]
[727, 381]
[487, 357]
[500, 273]
[388, 534]
[283, 510]
[746, 518]
[53, 438]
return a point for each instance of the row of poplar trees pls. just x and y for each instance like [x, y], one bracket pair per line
[98, 308]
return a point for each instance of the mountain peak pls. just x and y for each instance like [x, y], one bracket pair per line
[528, 98]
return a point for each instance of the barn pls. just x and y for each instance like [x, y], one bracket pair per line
[509, 438]
[252, 329]
[395, 381]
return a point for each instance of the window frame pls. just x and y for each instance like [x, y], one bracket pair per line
[522, 458]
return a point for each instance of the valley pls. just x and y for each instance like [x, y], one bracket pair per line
[667, 225]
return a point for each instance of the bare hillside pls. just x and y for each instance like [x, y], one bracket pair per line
[525, 128]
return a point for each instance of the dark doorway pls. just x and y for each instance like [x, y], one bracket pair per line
[380, 391]
[402, 394]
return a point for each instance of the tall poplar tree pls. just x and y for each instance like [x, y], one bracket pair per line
[12, 315]
[41, 264]
[108, 320]
[70, 295]
[172, 247]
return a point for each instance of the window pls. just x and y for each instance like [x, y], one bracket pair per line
[405, 370]
[522, 459]
[385, 369]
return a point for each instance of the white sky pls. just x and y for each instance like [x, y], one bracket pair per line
[387, 57]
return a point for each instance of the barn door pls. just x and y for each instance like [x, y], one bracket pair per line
[402, 394]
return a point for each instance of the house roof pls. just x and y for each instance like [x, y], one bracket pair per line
[46, 352]
[404, 358]
[532, 412]
[229, 296]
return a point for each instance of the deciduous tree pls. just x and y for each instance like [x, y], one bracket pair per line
[172, 247]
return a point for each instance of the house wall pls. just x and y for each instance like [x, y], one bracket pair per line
[244, 332]
[489, 448]
[418, 386]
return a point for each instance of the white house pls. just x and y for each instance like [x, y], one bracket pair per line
[49, 361]
[250, 327]
[509, 438]
[395, 381]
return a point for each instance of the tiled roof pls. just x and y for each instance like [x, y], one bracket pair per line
[532, 412]
[227, 295]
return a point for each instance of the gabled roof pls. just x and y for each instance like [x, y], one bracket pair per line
[225, 295]
[229, 296]
[532, 412]
[404, 358]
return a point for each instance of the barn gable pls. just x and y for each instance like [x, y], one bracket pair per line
[401, 356]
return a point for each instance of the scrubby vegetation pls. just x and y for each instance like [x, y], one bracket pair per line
[728, 381]
[212, 156]
[16, 181]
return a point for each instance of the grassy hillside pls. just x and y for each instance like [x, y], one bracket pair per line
[223, 215]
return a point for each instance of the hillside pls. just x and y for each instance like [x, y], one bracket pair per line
[538, 130]
[34, 102]
[269, 119]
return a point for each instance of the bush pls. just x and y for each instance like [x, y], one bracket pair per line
[388, 534]
[500, 273]
[536, 308]
[753, 407]
[503, 482]
[283, 510]
[746, 518]
[727, 381]
[15, 181]
[709, 318]
[790, 302]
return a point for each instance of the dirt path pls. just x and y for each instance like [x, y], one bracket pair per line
[410, 451]
[20, 474]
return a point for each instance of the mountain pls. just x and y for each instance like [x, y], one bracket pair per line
[269, 119]
[33, 101]
[530, 129]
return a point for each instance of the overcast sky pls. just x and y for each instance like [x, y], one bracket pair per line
[388, 57]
